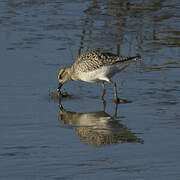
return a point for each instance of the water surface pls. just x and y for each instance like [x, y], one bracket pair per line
[85, 141]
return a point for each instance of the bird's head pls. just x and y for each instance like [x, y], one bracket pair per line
[64, 75]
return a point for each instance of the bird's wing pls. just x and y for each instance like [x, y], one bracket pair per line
[93, 60]
[88, 62]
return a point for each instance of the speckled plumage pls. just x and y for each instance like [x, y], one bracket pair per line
[93, 60]
[95, 66]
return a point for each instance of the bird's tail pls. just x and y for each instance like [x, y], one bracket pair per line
[128, 58]
[137, 57]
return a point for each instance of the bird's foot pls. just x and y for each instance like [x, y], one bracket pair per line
[121, 101]
[102, 98]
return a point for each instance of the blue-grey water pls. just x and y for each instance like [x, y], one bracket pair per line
[80, 140]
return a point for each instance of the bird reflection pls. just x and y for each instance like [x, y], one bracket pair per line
[97, 128]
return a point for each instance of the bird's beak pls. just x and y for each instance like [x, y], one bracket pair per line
[59, 87]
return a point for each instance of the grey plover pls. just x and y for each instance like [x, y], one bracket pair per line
[95, 66]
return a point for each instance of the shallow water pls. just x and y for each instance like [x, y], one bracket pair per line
[83, 140]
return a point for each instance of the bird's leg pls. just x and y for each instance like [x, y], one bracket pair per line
[115, 112]
[104, 105]
[103, 91]
[116, 99]
[102, 96]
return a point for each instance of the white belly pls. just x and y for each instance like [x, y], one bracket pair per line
[102, 74]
